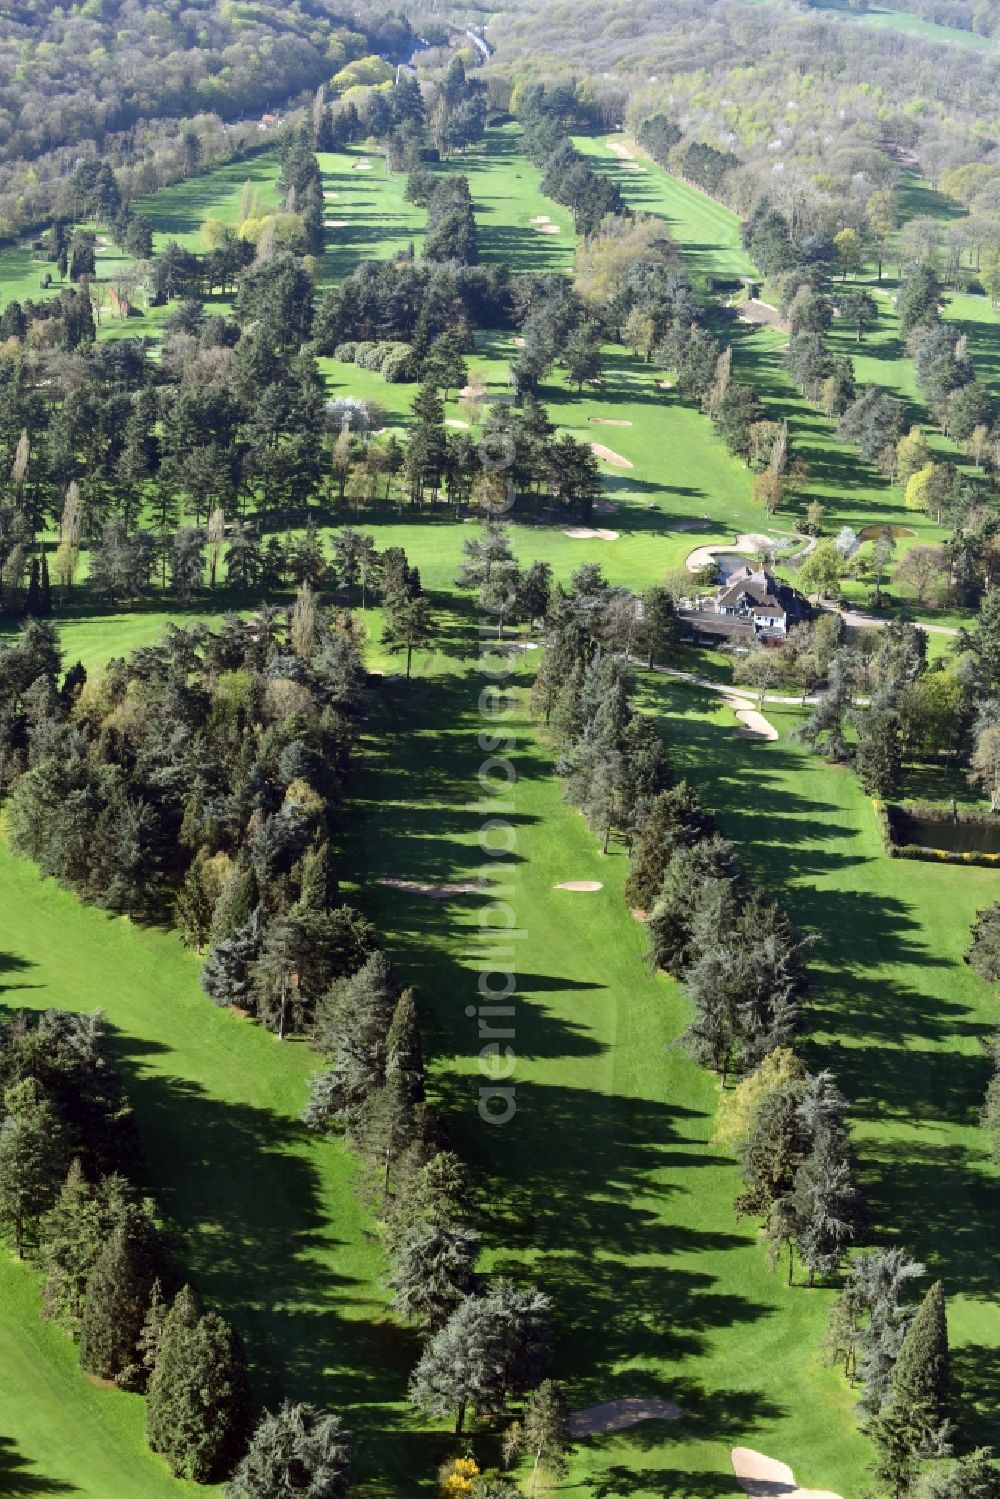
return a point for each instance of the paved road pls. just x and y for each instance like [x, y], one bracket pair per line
[746, 693]
[858, 621]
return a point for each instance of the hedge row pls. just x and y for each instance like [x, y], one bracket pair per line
[393, 360]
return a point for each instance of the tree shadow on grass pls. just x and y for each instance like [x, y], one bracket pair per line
[11, 963]
[253, 1220]
[621, 1481]
[17, 1482]
[945, 1196]
[583, 1174]
[975, 1373]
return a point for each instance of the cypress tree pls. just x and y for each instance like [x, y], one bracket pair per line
[236, 904]
[148, 1344]
[352, 1028]
[692, 880]
[825, 1201]
[118, 1294]
[72, 1234]
[32, 1161]
[675, 818]
[919, 1386]
[318, 885]
[164, 1397]
[777, 1145]
[197, 1403]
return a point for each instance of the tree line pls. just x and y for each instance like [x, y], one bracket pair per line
[205, 780]
[742, 968]
[70, 1202]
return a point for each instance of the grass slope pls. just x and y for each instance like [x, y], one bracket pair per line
[606, 1185]
[270, 1228]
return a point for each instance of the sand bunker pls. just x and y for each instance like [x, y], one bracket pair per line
[331, 196]
[761, 313]
[336, 223]
[436, 892]
[753, 724]
[584, 533]
[540, 218]
[362, 166]
[619, 1414]
[615, 459]
[755, 541]
[548, 229]
[622, 152]
[579, 885]
[519, 343]
[632, 166]
[454, 421]
[608, 421]
[665, 384]
[764, 1478]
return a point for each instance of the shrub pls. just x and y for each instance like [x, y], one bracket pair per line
[345, 353]
[363, 354]
[398, 364]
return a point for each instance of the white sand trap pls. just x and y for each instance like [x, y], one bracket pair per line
[336, 223]
[540, 218]
[524, 645]
[548, 229]
[632, 166]
[753, 724]
[584, 533]
[665, 384]
[622, 152]
[764, 1478]
[454, 421]
[606, 535]
[579, 885]
[362, 166]
[436, 892]
[608, 421]
[619, 1414]
[615, 459]
[331, 196]
[519, 343]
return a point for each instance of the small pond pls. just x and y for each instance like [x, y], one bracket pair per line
[730, 562]
[954, 837]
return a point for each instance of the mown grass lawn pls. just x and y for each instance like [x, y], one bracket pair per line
[607, 1183]
[271, 1228]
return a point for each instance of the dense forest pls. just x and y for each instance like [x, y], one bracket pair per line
[156, 91]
